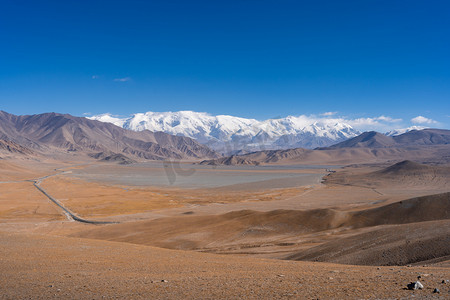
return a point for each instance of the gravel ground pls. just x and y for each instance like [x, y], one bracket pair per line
[43, 267]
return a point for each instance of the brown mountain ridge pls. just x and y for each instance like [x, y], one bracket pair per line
[62, 132]
[428, 145]
[375, 139]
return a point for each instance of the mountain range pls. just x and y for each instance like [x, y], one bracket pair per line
[427, 145]
[230, 135]
[375, 139]
[52, 132]
[49, 132]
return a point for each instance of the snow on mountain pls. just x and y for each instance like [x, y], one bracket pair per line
[229, 134]
[403, 130]
[108, 118]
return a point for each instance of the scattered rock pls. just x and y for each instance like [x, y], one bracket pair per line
[436, 291]
[280, 275]
[415, 286]
[164, 280]
[419, 285]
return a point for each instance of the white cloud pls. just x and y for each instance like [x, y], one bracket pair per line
[124, 79]
[388, 119]
[329, 113]
[422, 120]
[94, 76]
[379, 123]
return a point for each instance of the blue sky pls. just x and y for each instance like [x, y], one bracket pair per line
[255, 59]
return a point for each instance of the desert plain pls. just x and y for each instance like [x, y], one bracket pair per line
[181, 230]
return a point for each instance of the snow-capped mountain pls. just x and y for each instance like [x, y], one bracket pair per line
[403, 130]
[230, 134]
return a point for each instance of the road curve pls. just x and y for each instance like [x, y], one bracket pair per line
[66, 211]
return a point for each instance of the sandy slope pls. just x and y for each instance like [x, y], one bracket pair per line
[286, 231]
[425, 242]
[402, 174]
[46, 267]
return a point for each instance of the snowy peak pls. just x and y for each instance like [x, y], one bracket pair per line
[403, 130]
[66, 133]
[108, 118]
[229, 134]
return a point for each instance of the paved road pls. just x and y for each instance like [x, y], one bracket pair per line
[70, 215]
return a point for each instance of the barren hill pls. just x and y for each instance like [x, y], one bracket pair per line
[10, 147]
[424, 137]
[369, 139]
[408, 167]
[421, 234]
[404, 173]
[230, 160]
[343, 156]
[241, 229]
[52, 131]
[423, 145]
[374, 139]
[112, 157]
[413, 243]
[414, 174]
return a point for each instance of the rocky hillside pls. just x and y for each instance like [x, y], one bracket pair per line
[63, 132]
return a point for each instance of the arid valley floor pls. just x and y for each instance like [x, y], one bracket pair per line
[183, 230]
